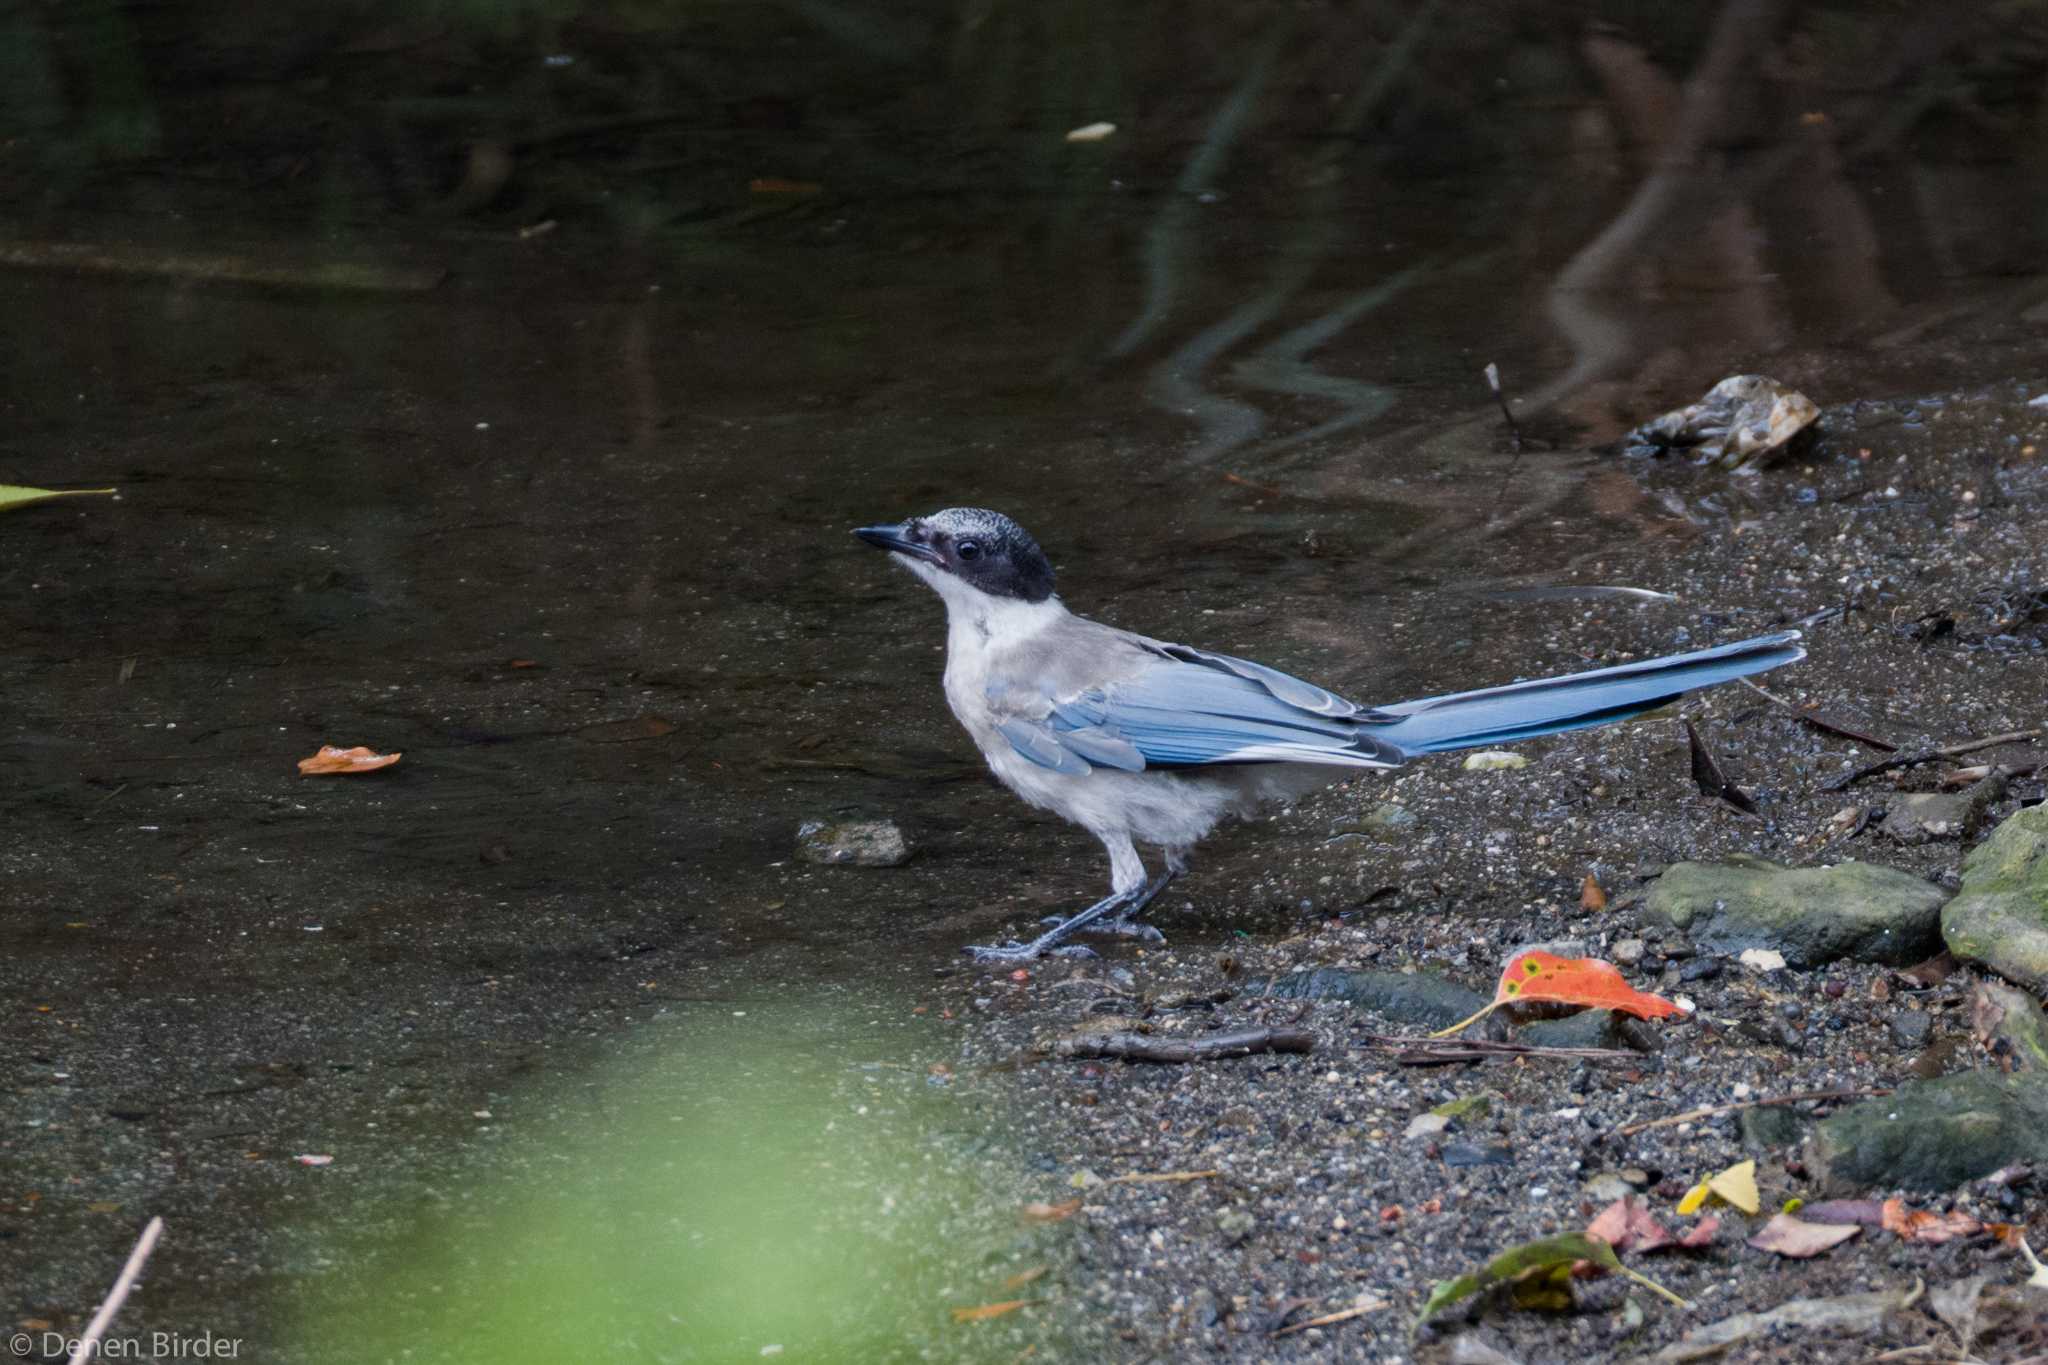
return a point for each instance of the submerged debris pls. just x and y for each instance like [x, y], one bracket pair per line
[1738, 425]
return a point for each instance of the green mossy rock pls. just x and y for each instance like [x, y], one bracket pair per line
[1810, 914]
[2000, 918]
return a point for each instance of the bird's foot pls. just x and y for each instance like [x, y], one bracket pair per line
[1025, 952]
[1115, 928]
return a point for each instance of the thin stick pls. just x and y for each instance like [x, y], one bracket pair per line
[1356, 1310]
[1928, 756]
[1422, 1051]
[86, 1345]
[1689, 1115]
[1820, 723]
[1136, 1047]
[1646, 1282]
[1161, 1177]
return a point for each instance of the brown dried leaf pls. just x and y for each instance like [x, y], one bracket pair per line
[1591, 897]
[1799, 1239]
[331, 759]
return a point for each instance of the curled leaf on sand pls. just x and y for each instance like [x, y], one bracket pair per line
[1050, 1213]
[983, 1312]
[1537, 977]
[14, 495]
[1736, 1185]
[332, 759]
[1547, 1263]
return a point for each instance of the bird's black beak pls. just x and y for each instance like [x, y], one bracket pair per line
[896, 538]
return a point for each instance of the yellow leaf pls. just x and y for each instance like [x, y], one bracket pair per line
[1737, 1185]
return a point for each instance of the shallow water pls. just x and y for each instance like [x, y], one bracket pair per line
[570, 528]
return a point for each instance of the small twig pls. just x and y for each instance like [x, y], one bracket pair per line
[1366, 1304]
[1689, 1115]
[1424, 1052]
[1920, 756]
[88, 1344]
[1820, 723]
[1136, 1047]
[1161, 1177]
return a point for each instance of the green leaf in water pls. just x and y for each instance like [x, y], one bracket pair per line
[14, 495]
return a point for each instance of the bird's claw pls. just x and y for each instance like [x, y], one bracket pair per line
[1026, 952]
[1115, 928]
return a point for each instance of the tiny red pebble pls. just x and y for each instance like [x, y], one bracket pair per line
[1834, 990]
[1020, 975]
[1391, 1214]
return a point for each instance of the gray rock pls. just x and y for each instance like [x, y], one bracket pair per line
[1911, 1028]
[1927, 816]
[2001, 916]
[1404, 997]
[852, 843]
[1627, 952]
[1812, 915]
[1587, 1028]
[1937, 1134]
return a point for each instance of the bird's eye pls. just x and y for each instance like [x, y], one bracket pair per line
[968, 549]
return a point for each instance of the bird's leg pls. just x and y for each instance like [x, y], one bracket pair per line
[1123, 922]
[1129, 891]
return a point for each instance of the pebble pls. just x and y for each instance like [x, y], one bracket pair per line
[1628, 952]
[1472, 1154]
[1911, 1028]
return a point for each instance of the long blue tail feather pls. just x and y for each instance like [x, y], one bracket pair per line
[1577, 701]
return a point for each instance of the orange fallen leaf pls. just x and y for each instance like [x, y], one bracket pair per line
[1918, 1225]
[1591, 897]
[331, 759]
[1537, 976]
[1050, 1213]
[992, 1310]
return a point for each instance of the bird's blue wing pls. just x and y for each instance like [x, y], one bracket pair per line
[1192, 708]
